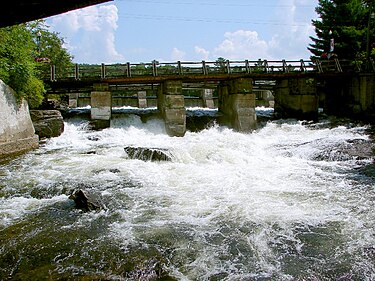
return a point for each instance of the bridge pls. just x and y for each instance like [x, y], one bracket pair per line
[299, 88]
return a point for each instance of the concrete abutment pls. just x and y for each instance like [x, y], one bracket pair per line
[17, 134]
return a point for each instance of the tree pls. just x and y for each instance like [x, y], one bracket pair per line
[19, 49]
[49, 46]
[346, 22]
[17, 63]
[221, 64]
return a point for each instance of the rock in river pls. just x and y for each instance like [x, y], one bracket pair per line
[148, 154]
[86, 201]
[47, 123]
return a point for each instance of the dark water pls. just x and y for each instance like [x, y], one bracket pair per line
[290, 201]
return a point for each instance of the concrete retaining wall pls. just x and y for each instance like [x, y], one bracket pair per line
[17, 133]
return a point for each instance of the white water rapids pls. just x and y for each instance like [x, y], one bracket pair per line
[229, 206]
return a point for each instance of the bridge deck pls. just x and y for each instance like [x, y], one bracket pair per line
[81, 76]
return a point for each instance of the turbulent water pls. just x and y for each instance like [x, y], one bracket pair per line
[285, 202]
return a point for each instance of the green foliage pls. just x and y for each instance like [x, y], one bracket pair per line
[18, 53]
[33, 92]
[221, 64]
[348, 20]
[51, 47]
[16, 58]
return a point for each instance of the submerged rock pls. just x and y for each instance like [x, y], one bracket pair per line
[86, 201]
[147, 154]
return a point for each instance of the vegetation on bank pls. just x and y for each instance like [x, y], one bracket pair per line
[26, 51]
[345, 28]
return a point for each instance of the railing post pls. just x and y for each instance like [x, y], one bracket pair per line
[247, 65]
[53, 72]
[285, 67]
[266, 66]
[204, 68]
[103, 71]
[128, 70]
[76, 72]
[338, 66]
[228, 66]
[154, 70]
[319, 65]
[179, 67]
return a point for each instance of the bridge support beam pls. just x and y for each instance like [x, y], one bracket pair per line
[237, 103]
[296, 98]
[171, 103]
[101, 106]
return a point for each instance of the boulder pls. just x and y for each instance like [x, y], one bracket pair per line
[47, 123]
[147, 154]
[86, 201]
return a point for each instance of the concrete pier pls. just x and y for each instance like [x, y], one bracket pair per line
[73, 100]
[207, 97]
[142, 101]
[296, 98]
[172, 107]
[237, 103]
[101, 106]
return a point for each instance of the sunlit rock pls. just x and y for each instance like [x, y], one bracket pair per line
[147, 154]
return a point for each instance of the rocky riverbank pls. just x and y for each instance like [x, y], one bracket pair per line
[47, 123]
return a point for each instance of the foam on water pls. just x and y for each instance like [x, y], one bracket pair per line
[229, 204]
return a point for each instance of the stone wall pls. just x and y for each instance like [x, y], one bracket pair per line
[17, 133]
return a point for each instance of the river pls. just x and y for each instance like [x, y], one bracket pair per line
[285, 202]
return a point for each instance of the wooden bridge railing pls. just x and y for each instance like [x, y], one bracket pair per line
[155, 69]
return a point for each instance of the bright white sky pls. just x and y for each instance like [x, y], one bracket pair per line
[188, 30]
